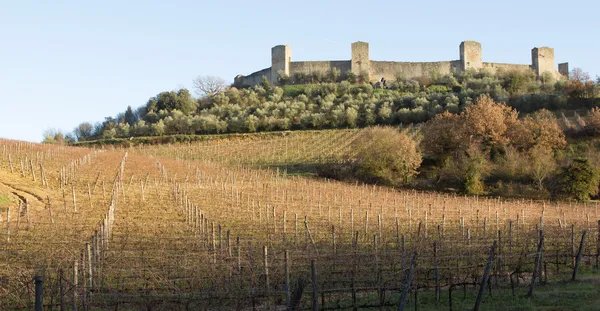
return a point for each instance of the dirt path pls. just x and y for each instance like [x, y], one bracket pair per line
[17, 191]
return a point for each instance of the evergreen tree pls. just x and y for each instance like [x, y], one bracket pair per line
[130, 117]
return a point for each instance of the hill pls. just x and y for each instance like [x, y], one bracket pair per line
[327, 104]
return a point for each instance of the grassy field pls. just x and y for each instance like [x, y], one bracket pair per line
[4, 201]
[555, 295]
[221, 224]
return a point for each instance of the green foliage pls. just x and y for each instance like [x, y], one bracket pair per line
[435, 88]
[315, 101]
[4, 201]
[294, 90]
[476, 168]
[56, 137]
[363, 77]
[83, 131]
[266, 85]
[350, 77]
[385, 155]
[282, 78]
[580, 179]
[181, 100]
[130, 117]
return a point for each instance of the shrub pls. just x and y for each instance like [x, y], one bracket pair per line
[593, 122]
[385, 155]
[363, 77]
[349, 76]
[475, 169]
[580, 179]
[334, 75]
[283, 78]
[538, 129]
[441, 137]
[436, 88]
[487, 122]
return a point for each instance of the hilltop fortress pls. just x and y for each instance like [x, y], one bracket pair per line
[542, 60]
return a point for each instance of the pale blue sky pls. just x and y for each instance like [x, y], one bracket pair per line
[65, 62]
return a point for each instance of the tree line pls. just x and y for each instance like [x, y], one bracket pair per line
[483, 150]
[350, 103]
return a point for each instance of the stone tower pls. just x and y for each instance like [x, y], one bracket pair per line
[470, 55]
[563, 69]
[360, 58]
[542, 60]
[281, 57]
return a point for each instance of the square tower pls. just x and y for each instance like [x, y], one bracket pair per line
[470, 55]
[281, 57]
[563, 69]
[542, 60]
[360, 58]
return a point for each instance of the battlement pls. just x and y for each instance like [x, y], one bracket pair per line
[470, 58]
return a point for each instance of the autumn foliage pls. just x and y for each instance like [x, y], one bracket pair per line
[471, 142]
[386, 155]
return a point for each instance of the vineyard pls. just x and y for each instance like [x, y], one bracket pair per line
[221, 225]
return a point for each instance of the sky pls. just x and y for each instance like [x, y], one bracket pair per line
[67, 62]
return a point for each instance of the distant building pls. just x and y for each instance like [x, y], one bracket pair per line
[542, 60]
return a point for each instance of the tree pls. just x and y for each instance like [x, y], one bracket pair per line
[487, 122]
[593, 122]
[579, 85]
[383, 154]
[542, 164]
[441, 136]
[130, 117]
[83, 131]
[475, 168]
[580, 180]
[54, 136]
[538, 129]
[168, 101]
[209, 85]
[264, 82]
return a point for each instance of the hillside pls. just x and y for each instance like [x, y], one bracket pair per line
[199, 226]
[329, 103]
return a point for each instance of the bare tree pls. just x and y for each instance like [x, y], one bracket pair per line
[578, 74]
[83, 131]
[542, 164]
[209, 85]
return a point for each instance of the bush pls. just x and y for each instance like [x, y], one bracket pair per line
[475, 169]
[580, 179]
[349, 76]
[385, 155]
[593, 122]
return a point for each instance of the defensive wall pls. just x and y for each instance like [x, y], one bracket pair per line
[470, 57]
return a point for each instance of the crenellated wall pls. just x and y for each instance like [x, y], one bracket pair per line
[494, 67]
[319, 66]
[252, 79]
[390, 70]
[470, 58]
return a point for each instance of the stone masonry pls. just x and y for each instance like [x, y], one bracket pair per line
[470, 58]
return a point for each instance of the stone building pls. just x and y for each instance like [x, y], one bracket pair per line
[470, 57]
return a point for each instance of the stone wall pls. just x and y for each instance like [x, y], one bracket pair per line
[494, 67]
[252, 79]
[470, 52]
[318, 66]
[390, 70]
